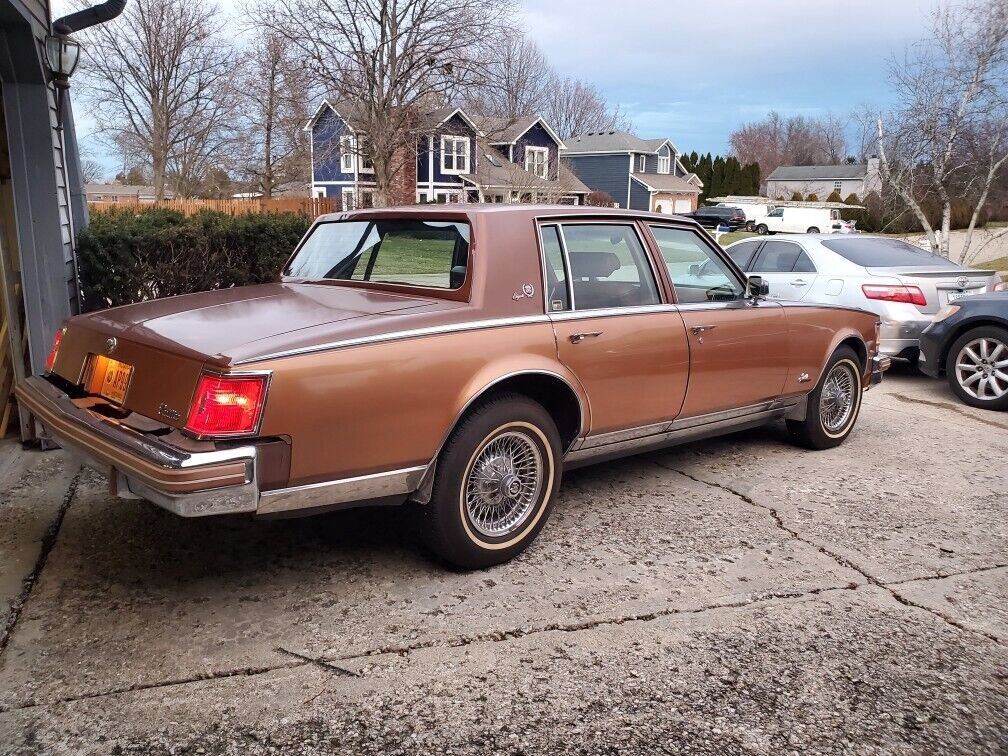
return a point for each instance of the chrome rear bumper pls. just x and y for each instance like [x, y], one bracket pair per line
[880, 363]
[190, 484]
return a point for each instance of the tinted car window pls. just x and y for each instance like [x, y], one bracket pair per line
[697, 274]
[777, 257]
[804, 264]
[419, 253]
[609, 267]
[556, 276]
[742, 253]
[879, 252]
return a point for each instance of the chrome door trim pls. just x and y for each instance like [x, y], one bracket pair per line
[635, 440]
[345, 490]
[399, 335]
[608, 312]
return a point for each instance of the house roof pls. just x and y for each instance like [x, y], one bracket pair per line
[666, 182]
[496, 171]
[817, 172]
[350, 112]
[125, 190]
[509, 131]
[612, 141]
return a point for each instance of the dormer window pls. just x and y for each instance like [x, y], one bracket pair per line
[454, 154]
[664, 163]
[537, 161]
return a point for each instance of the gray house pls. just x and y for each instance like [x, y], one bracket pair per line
[640, 174]
[823, 180]
[42, 202]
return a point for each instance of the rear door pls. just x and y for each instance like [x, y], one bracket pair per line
[786, 267]
[625, 345]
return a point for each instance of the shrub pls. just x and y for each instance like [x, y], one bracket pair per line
[812, 197]
[127, 256]
[797, 197]
[600, 199]
[834, 197]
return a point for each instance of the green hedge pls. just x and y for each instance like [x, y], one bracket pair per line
[127, 256]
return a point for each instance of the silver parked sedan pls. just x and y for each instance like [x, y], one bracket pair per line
[903, 284]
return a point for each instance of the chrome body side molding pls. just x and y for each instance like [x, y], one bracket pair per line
[358, 489]
[646, 438]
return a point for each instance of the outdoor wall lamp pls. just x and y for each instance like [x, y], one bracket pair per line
[62, 57]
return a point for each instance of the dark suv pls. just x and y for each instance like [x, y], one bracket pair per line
[732, 218]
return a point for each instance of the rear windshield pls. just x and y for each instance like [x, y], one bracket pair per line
[878, 252]
[413, 252]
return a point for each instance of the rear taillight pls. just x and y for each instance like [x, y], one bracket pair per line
[51, 359]
[896, 293]
[227, 405]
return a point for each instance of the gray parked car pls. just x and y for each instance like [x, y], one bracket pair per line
[903, 284]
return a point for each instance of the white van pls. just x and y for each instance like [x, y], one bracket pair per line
[802, 220]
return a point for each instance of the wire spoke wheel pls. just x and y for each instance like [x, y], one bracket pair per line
[504, 483]
[981, 368]
[836, 401]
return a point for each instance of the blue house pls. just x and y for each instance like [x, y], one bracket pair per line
[458, 158]
[640, 174]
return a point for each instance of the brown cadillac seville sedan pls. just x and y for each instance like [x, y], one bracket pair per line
[458, 357]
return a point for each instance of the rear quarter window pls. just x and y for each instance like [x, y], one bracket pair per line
[878, 252]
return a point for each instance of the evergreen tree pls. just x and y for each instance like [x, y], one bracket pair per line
[834, 197]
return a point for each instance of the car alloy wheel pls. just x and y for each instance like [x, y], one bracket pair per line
[836, 401]
[502, 483]
[981, 369]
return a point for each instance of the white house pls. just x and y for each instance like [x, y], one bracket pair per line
[823, 180]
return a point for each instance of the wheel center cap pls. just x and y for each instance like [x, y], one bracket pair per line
[511, 486]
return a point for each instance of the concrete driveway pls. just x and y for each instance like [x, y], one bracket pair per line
[733, 595]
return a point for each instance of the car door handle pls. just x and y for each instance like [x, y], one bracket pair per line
[701, 329]
[577, 338]
[799, 282]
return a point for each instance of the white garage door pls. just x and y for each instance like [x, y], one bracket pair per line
[683, 206]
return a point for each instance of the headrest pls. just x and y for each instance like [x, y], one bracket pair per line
[594, 264]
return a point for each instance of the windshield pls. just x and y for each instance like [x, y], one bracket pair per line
[398, 251]
[879, 252]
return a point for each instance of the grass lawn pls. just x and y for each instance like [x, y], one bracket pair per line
[733, 236]
[399, 255]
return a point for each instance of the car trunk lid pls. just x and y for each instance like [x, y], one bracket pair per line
[939, 285]
[157, 350]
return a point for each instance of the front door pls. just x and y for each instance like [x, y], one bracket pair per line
[626, 347]
[774, 220]
[738, 352]
[787, 268]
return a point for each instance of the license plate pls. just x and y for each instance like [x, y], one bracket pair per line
[110, 378]
[954, 295]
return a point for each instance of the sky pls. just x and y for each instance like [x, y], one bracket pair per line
[694, 70]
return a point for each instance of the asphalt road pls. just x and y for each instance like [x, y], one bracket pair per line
[734, 595]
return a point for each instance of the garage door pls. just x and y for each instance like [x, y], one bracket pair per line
[683, 206]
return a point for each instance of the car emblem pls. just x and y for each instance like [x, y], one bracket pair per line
[172, 414]
[962, 281]
[110, 344]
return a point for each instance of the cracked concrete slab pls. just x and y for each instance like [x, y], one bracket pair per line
[736, 594]
[846, 670]
[33, 489]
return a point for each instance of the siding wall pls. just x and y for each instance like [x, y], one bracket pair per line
[822, 189]
[640, 197]
[43, 210]
[603, 173]
[537, 136]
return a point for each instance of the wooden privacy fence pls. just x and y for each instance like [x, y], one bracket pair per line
[309, 206]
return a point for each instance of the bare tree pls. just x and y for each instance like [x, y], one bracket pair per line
[159, 77]
[393, 59]
[275, 92]
[575, 107]
[947, 138]
[515, 81]
[796, 140]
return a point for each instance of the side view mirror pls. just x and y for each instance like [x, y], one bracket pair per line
[756, 287]
[694, 269]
